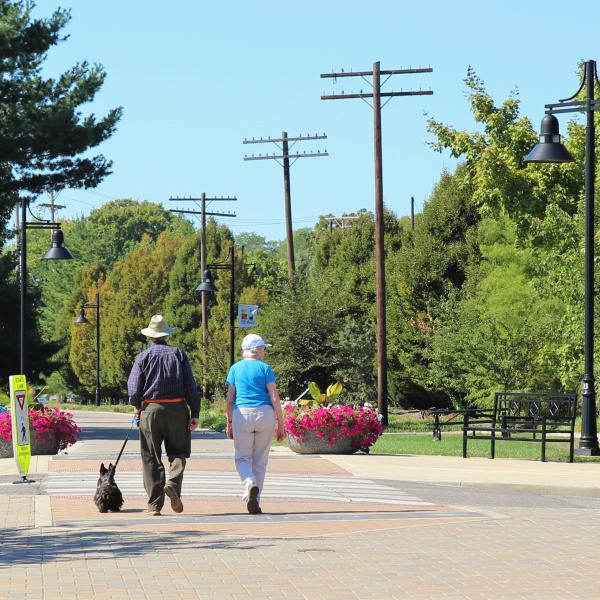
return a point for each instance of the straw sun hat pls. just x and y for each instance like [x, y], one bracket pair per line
[157, 328]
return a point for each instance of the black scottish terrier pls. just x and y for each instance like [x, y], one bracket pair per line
[108, 496]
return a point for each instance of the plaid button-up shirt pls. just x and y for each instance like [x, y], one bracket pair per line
[163, 372]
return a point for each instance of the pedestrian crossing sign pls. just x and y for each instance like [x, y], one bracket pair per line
[20, 422]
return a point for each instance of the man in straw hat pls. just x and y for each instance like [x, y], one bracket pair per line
[162, 388]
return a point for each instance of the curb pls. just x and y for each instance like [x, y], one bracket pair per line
[542, 490]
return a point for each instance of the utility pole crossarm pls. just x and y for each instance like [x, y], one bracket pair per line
[221, 199]
[382, 94]
[300, 138]
[197, 212]
[283, 156]
[370, 73]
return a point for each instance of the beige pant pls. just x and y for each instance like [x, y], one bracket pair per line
[253, 430]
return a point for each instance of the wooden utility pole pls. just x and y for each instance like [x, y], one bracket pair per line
[203, 214]
[376, 95]
[283, 144]
[52, 206]
[412, 213]
[289, 232]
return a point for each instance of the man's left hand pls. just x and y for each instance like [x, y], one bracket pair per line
[193, 424]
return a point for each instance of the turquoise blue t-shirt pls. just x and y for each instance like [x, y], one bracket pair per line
[250, 378]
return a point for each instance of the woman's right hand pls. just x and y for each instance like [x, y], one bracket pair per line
[229, 430]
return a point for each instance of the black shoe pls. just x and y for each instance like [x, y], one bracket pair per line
[252, 504]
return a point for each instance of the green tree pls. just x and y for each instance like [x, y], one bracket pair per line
[118, 226]
[301, 324]
[492, 335]
[97, 242]
[493, 155]
[136, 289]
[427, 268]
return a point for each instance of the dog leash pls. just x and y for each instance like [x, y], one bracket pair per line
[134, 422]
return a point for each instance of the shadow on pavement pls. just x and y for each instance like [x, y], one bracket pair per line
[108, 433]
[119, 433]
[33, 547]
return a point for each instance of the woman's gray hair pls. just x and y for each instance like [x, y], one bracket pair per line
[250, 353]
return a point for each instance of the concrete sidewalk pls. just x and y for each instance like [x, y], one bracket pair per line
[561, 479]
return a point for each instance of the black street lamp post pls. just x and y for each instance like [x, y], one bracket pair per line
[207, 285]
[57, 252]
[550, 149]
[82, 320]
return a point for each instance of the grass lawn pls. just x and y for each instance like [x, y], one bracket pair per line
[412, 422]
[451, 445]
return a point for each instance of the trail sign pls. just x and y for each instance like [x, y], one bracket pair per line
[20, 423]
[247, 315]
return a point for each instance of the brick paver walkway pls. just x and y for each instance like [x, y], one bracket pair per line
[324, 535]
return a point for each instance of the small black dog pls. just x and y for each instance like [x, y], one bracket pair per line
[108, 495]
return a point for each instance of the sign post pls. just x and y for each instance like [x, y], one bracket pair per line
[20, 425]
[247, 315]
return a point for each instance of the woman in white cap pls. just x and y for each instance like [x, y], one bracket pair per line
[253, 417]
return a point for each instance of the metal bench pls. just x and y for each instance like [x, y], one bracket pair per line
[525, 417]
[454, 417]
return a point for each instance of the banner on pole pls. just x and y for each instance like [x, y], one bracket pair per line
[20, 423]
[247, 315]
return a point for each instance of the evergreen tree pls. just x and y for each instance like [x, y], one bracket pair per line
[136, 290]
[44, 137]
[43, 132]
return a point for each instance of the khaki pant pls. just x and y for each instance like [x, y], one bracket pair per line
[253, 430]
[168, 423]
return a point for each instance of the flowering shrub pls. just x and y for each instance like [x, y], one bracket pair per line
[329, 422]
[43, 422]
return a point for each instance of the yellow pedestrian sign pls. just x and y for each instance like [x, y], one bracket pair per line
[20, 423]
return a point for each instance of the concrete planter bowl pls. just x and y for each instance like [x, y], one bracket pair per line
[312, 444]
[49, 445]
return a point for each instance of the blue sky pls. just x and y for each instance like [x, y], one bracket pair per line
[196, 78]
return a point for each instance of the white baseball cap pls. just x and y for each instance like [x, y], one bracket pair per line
[252, 340]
